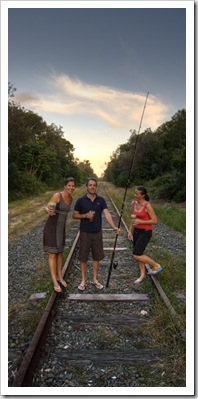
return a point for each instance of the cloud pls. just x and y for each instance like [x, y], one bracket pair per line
[95, 118]
[116, 108]
[27, 98]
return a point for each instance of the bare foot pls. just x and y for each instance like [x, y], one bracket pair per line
[139, 280]
[57, 288]
[63, 282]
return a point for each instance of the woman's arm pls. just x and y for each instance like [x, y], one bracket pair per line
[131, 226]
[55, 198]
[130, 232]
[152, 215]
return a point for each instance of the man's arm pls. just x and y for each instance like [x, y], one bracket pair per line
[110, 220]
[78, 215]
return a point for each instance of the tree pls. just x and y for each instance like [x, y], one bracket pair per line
[39, 155]
[158, 154]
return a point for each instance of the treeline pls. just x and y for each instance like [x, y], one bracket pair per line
[159, 160]
[39, 157]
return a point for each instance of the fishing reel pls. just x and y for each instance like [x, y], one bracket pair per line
[115, 264]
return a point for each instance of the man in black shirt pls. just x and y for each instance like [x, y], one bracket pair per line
[89, 209]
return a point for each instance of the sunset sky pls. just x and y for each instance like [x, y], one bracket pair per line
[87, 66]
[89, 69]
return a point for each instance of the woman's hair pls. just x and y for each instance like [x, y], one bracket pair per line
[143, 191]
[69, 179]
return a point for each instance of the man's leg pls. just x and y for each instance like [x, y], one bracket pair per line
[95, 265]
[83, 266]
[97, 253]
[83, 257]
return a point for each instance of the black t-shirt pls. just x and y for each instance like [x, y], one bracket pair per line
[84, 205]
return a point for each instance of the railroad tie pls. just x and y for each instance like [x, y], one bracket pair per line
[105, 356]
[115, 249]
[108, 297]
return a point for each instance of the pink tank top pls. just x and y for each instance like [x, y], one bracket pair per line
[143, 215]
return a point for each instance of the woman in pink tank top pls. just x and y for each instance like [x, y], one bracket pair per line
[140, 232]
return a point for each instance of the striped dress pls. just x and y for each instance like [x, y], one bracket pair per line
[54, 230]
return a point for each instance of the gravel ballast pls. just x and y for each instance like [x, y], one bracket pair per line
[25, 257]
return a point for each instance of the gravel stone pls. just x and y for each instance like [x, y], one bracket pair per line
[25, 254]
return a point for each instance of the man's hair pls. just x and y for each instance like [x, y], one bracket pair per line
[91, 178]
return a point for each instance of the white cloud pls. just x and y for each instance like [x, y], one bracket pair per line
[96, 118]
[114, 107]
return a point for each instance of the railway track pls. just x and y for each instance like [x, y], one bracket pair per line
[84, 339]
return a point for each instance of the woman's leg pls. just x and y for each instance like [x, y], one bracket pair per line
[142, 273]
[145, 259]
[142, 269]
[59, 269]
[52, 266]
[141, 240]
[59, 266]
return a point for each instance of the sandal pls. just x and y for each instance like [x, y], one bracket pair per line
[63, 282]
[154, 272]
[139, 281]
[57, 288]
[81, 287]
[98, 286]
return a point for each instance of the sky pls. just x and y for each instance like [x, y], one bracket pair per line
[89, 70]
[88, 66]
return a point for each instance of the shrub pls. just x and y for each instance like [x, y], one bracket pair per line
[26, 185]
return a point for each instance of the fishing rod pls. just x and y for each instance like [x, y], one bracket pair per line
[112, 263]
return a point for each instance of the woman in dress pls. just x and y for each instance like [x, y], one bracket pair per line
[140, 232]
[54, 231]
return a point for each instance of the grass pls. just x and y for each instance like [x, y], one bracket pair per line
[167, 213]
[24, 309]
[172, 216]
[162, 327]
[26, 214]
[165, 330]
[105, 338]
[41, 282]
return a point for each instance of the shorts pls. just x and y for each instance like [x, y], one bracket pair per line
[141, 237]
[93, 242]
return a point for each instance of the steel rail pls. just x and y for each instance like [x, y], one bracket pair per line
[155, 280]
[25, 372]
[29, 363]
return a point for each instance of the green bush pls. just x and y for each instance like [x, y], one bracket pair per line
[172, 217]
[171, 186]
[26, 185]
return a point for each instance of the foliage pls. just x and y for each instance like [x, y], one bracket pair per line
[170, 186]
[159, 156]
[39, 155]
[167, 212]
[170, 215]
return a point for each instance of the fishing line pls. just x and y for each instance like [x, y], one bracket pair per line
[114, 263]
